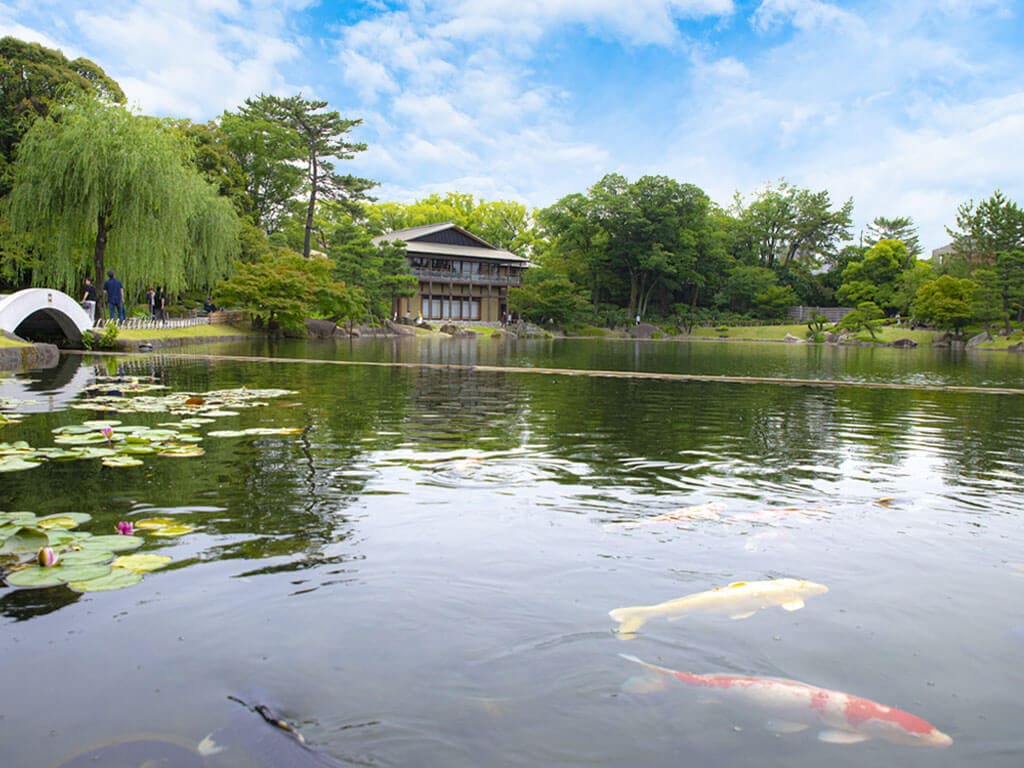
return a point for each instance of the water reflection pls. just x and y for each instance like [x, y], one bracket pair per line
[423, 576]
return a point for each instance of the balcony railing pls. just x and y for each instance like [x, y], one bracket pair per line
[447, 276]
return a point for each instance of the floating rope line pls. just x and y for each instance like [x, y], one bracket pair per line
[642, 375]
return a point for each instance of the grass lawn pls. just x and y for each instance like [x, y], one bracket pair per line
[192, 332]
[755, 332]
[5, 342]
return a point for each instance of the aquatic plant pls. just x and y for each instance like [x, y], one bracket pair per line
[47, 552]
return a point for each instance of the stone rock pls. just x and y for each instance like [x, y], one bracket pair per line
[904, 343]
[1018, 347]
[644, 331]
[978, 339]
[320, 329]
[791, 339]
[449, 328]
[831, 338]
[400, 329]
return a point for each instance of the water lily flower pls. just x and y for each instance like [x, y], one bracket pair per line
[125, 528]
[108, 433]
[47, 557]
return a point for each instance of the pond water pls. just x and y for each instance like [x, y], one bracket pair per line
[422, 576]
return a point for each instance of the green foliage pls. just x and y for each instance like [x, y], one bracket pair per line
[381, 272]
[947, 302]
[107, 339]
[875, 276]
[816, 328]
[546, 295]
[900, 228]
[783, 223]
[96, 180]
[866, 317]
[34, 78]
[744, 284]
[503, 224]
[285, 290]
[313, 135]
[773, 302]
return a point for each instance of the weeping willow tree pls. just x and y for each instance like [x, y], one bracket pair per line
[97, 186]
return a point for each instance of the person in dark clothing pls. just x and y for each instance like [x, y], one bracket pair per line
[89, 298]
[161, 305]
[209, 306]
[151, 299]
[115, 296]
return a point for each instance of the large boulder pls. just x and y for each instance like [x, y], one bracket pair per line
[321, 329]
[791, 339]
[645, 331]
[400, 329]
[904, 343]
[979, 338]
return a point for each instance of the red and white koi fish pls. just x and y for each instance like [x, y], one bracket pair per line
[794, 706]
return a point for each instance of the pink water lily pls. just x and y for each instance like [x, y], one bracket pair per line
[47, 557]
[125, 528]
[108, 433]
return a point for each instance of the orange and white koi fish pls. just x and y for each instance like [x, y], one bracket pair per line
[794, 706]
[738, 600]
[709, 510]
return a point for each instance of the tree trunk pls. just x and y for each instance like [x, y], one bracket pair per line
[100, 249]
[314, 179]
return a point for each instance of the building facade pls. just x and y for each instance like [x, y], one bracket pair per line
[461, 277]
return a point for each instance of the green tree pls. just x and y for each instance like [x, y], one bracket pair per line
[991, 236]
[96, 180]
[909, 283]
[947, 302]
[284, 290]
[867, 316]
[546, 295]
[381, 272]
[321, 135]
[784, 223]
[744, 285]
[875, 277]
[900, 228]
[502, 223]
[34, 78]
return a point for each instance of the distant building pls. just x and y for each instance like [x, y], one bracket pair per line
[941, 255]
[461, 276]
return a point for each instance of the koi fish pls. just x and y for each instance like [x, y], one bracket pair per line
[739, 600]
[794, 706]
[709, 510]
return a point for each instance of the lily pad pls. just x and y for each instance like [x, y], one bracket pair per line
[101, 423]
[113, 543]
[26, 540]
[118, 578]
[141, 563]
[86, 557]
[122, 461]
[66, 520]
[35, 577]
[82, 572]
[173, 530]
[153, 523]
[16, 464]
[181, 453]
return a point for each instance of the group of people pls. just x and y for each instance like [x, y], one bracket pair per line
[114, 290]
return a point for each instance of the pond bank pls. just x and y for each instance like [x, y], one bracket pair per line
[20, 357]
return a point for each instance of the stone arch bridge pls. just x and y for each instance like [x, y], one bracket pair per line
[37, 313]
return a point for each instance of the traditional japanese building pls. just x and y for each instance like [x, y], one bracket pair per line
[461, 277]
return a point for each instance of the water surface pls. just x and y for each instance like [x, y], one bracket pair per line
[423, 576]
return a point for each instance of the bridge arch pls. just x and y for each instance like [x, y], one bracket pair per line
[43, 311]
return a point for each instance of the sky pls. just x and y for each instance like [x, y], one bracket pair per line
[909, 107]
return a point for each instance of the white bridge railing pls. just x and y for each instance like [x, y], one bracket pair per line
[149, 323]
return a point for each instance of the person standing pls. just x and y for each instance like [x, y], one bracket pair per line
[89, 299]
[161, 305]
[115, 296]
[151, 299]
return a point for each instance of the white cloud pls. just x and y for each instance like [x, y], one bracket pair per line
[804, 15]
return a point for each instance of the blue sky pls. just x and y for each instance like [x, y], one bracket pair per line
[910, 107]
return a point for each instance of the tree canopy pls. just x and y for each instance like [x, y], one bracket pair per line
[98, 186]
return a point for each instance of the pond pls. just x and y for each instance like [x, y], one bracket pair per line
[417, 569]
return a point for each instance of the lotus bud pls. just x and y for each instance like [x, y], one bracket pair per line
[47, 557]
[125, 528]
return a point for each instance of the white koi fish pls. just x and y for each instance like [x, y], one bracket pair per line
[738, 600]
[794, 706]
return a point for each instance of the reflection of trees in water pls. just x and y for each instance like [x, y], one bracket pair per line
[24, 604]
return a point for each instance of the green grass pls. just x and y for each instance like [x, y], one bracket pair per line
[753, 332]
[192, 332]
[5, 342]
